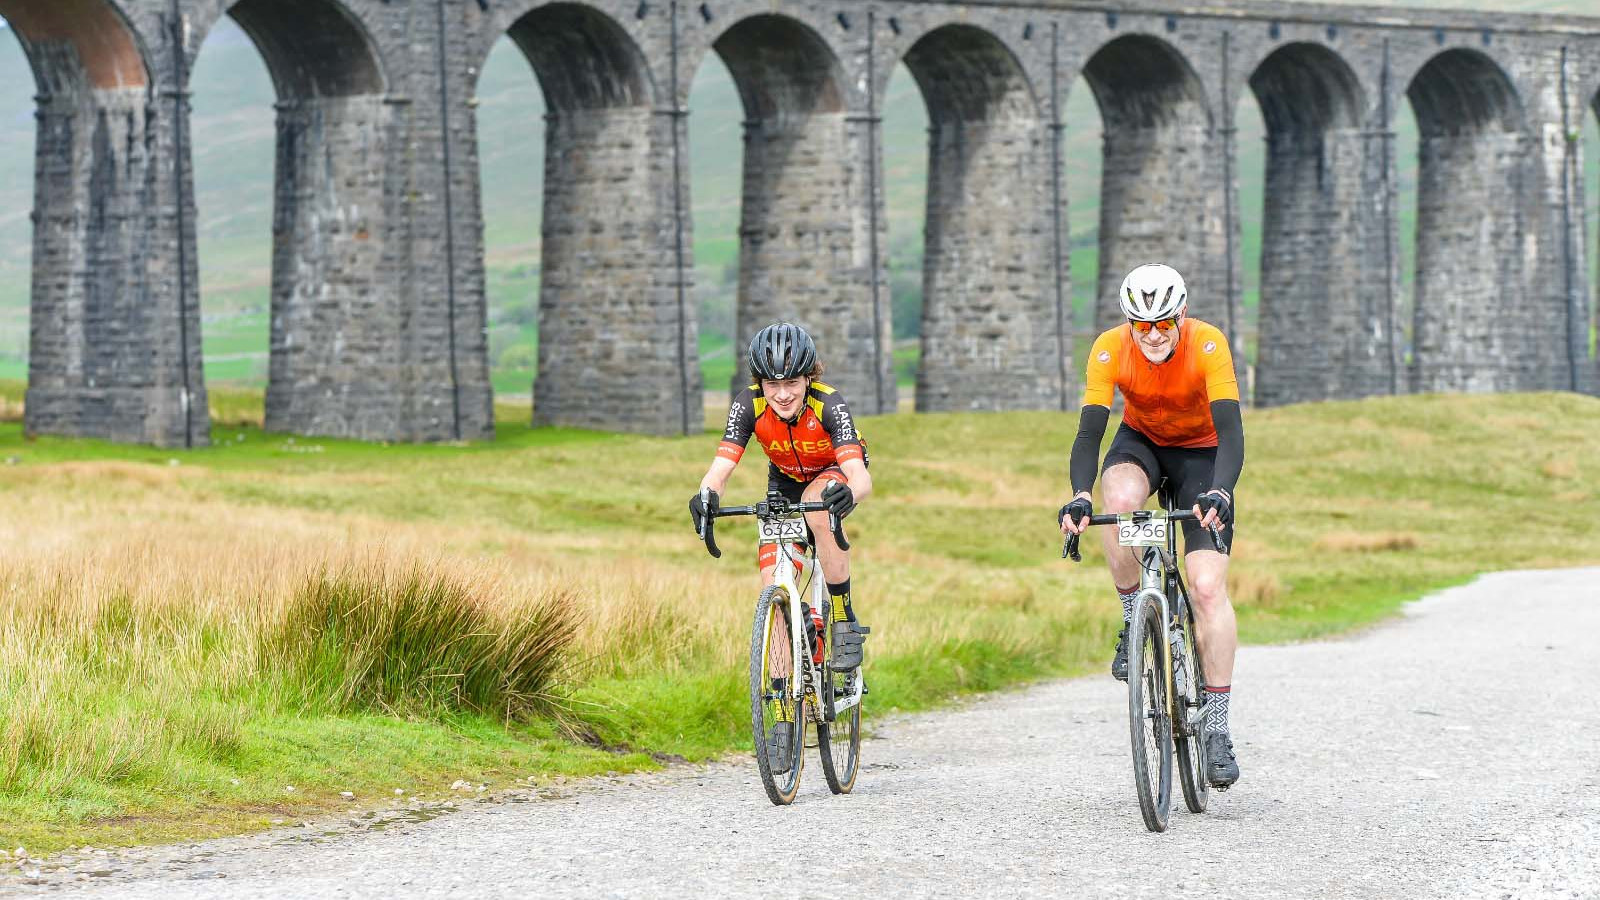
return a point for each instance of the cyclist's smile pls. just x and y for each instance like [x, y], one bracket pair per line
[786, 396]
[1157, 345]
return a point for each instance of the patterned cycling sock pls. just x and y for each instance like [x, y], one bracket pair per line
[1217, 712]
[841, 602]
[1127, 603]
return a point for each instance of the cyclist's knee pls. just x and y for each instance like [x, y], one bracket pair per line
[1124, 497]
[1124, 487]
[1209, 587]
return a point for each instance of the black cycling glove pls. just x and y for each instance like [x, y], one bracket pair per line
[839, 499]
[697, 508]
[1219, 501]
[1078, 509]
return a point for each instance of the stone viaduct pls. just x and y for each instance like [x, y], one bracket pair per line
[378, 307]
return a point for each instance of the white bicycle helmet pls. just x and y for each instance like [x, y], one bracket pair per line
[1153, 292]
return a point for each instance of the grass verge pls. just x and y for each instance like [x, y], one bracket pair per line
[187, 635]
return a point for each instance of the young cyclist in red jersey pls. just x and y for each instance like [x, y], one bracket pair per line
[815, 453]
[1181, 423]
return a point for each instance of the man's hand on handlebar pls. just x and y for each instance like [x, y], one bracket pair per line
[1074, 517]
[1214, 509]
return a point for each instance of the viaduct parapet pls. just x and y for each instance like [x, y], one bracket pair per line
[378, 299]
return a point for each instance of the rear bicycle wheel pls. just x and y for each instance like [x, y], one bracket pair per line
[1190, 741]
[1149, 722]
[772, 674]
[839, 741]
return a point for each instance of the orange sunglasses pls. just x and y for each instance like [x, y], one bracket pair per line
[1162, 324]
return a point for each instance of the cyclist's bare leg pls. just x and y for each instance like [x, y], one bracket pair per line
[1125, 488]
[835, 562]
[1218, 635]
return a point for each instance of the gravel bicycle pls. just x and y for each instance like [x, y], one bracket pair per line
[791, 683]
[1166, 681]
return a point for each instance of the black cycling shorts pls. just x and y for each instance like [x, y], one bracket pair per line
[794, 491]
[1178, 473]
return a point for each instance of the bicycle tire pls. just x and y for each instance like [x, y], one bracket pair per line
[770, 631]
[1191, 747]
[839, 741]
[1149, 724]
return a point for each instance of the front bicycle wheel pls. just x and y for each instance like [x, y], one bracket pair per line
[779, 727]
[1191, 682]
[839, 741]
[1149, 723]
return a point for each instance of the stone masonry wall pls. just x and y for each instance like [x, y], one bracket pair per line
[334, 363]
[378, 272]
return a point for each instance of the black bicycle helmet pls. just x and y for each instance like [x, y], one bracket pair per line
[781, 351]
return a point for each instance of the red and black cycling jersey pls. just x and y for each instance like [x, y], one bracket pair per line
[823, 435]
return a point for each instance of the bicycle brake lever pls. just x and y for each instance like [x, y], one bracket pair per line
[707, 526]
[837, 527]
[1216, 539]
[1069, 550]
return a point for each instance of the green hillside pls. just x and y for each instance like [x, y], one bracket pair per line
[233, 130]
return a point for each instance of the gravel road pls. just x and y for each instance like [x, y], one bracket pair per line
[1454, 752]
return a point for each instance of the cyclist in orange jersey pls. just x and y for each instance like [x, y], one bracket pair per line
[805, 429]
[816, 453]
[1181, 426]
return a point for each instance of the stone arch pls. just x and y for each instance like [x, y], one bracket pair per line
[1162, 194]
[1320, 228]
[613, 322]
[313, 48]
[332, 299]
[77, 44]
[582, 58]
[800, 199]
[1472, 231]
[1305, 90]
[991, 338]
[1464, 90]
[102, 360]
[784, 70]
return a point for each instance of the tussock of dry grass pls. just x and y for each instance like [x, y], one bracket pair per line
[123, 655]
[1253, 587]
[1368, 541]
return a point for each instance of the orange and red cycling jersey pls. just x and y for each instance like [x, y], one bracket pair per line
[823, 435]
[1168, 402]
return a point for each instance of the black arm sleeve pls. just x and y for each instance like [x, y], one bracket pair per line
[1225, 416]
[1086, 449]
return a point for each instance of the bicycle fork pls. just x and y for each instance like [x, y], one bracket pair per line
[1187, 717]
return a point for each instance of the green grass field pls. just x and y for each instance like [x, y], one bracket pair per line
[187, 635]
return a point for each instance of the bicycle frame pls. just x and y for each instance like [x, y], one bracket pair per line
[1160, 578]
[786, 575]
[806, 680]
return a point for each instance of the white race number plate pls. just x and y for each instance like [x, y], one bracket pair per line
[778, 530]
[1143, 533]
